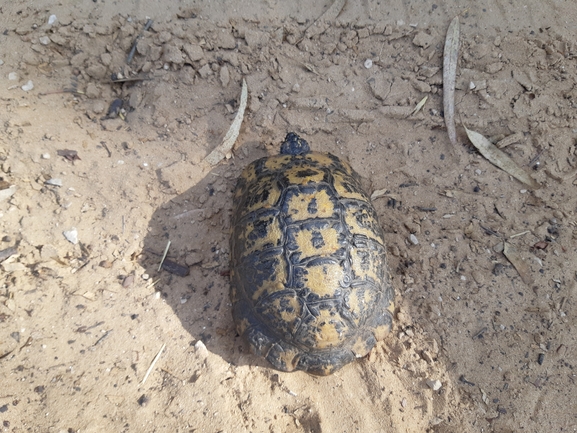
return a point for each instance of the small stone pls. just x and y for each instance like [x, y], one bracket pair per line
[13, 267]
[194, 52]
[368, 64]
[435, 385]
[71, 235]
[423, 40]
[127, 282]
[494, 67]
[478, 277]
[201, 349]
[224, 76]
[106, 264]
[92, 91]
[52, 19]
[143, 400]
[172, 54]
[193, 259]
[12, 76]
[28, 86]
[98, 106]
[46, 155]
[7, 193]
[413, 239]
[145, 277]
[44, 40]
[205, 71]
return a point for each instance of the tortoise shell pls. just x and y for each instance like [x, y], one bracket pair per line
[310, 287]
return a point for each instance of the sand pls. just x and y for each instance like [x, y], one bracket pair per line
[479, 344]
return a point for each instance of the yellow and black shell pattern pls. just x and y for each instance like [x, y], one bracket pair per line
[310, 287]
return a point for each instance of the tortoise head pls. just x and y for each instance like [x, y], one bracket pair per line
[294, 145]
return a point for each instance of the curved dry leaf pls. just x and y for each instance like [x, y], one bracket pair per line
[500, 159]
[225, 148]
[451, 56]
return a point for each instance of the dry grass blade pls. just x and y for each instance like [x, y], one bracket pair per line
[500, 159]
[518, 262]
[451, 55]
[152, 364]
[420, 105]
[164, 255]
[224, 150]
[321, 24]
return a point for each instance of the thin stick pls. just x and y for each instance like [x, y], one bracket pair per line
[133, 49]
[152, 364]
[164, 255]
[519, 234]
[451, 56]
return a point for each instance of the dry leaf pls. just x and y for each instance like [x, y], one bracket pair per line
[378, 193]
[500, 159]
[225, 148]
[518, 262]
[451, 56]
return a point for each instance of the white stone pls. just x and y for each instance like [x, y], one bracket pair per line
[28, 86]
[71, 235]
[435, 385]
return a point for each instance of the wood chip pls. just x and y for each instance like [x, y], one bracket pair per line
[451, 56]
[500, 159]
[70, 155]
[518, 261]
[514, 138]
[224, 150]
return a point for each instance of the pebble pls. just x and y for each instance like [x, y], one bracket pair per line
[52, 19]
[44, 40]
[1, 62]
[46, 155]
[7, 193]
[368, 63]
[71, 235]
[145, 277]
[12, 76]
[127, 282]
[201, 349]
[413, 239]
[224, 76]
[28, 86]
[435, 385]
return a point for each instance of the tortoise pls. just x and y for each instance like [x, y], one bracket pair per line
[309, 283]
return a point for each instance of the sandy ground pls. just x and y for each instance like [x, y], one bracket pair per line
[80, 323]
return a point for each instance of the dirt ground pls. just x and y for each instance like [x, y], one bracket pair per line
[84, 309]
